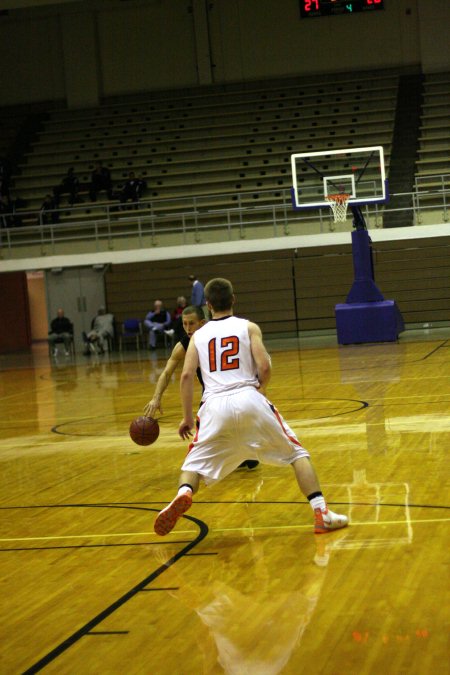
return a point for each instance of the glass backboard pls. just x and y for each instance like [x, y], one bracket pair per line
[358, 172]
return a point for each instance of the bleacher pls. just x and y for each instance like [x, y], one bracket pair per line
[225, 145]
[10, 123]
[433, 163]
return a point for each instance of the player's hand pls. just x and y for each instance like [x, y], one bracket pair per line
[184, 430]
[152, 408]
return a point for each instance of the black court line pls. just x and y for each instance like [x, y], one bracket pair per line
[82, 546]
[141, 586]
[233, 502]
[169, 588]
[360, 406]
[393, 505]
[387, 360]
[134, 505]
[407, 402]
[95, 621]
[108, 632]
[433, 351]
[114, 416]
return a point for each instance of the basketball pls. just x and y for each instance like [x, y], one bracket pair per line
[144, 430]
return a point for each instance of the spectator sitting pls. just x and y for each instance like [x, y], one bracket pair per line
[48, 212]
[60, 328]
[176, 327]
[133, 189]
[156, 322]
[102, 326]
[70, 185]
[100, 180]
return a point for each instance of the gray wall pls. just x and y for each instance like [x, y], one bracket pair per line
[81, 51]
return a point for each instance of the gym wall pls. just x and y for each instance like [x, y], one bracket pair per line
[80, 52]
[294, 289]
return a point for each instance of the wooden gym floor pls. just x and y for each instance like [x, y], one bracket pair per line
[242, 585]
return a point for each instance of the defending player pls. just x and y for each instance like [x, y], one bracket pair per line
[235, 421]
[193, 318]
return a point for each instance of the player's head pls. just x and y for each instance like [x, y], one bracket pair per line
[193, 319]
[219, 294]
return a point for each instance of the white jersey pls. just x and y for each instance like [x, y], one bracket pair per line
[224, 352]
[235, 422]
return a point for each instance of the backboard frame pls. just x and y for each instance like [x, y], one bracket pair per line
[348, 180]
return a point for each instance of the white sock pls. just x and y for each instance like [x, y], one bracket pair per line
[184, 489]
[318, 503]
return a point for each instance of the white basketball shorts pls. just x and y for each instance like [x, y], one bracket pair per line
[236, 426]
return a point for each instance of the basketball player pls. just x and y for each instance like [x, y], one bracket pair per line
[193, 318]
[235, 421]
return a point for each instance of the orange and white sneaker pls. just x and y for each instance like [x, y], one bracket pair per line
[166, 519]
[325, 521]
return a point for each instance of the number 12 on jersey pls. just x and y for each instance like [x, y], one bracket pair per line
[228, 358]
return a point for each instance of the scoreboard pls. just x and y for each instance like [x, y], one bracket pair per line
[312, 8]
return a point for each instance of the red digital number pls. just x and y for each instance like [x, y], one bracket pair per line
[309, 5]
[229, 359]
[374, 2]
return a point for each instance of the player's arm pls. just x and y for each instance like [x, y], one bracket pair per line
[176, 358]
[187, 390]
[260, 356]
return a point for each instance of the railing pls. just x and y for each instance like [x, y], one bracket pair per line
[188, 218]
[423, 183]
[433, 184]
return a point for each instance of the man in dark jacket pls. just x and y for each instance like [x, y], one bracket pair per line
[132, 189]
[70, 185]
[100, 180]
[61, 329]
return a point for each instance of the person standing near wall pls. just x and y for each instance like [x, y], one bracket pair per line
[198, 295]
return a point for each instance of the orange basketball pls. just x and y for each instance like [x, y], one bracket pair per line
[144, 430]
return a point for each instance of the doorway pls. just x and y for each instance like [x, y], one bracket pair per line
[37, 301]
[79, 291]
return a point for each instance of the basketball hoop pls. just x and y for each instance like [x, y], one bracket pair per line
[338, 204]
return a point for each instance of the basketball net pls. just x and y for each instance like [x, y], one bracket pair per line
[338, 204]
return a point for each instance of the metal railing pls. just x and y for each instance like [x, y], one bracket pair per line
[236, 216]
[426, 187]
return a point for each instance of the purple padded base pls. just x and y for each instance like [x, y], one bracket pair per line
[368, 322]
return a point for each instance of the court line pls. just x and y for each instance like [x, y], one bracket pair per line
[84, 536]
[56, 429]
[134, 505]
[351, 524]
[220, 529]
[433, 351]
[105, 613]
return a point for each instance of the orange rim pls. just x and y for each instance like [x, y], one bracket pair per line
[340, 198]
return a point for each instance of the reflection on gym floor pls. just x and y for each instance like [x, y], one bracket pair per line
[241, 586]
